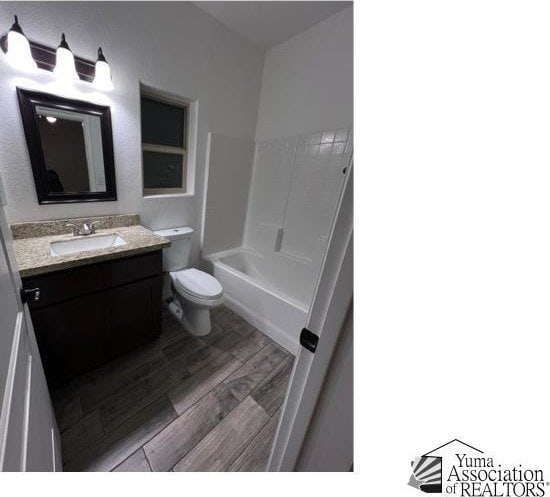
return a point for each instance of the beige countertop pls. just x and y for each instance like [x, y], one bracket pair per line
[33, 254]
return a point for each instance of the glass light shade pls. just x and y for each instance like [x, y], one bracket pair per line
[102, 79]
[19, 52]
[64, 65]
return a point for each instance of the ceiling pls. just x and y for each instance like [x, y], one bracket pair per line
[267, 24]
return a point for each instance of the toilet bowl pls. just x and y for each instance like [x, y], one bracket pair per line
[193, 292]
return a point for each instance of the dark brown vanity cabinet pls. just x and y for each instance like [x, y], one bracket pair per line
[90, 314]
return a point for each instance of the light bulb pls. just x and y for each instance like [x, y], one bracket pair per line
[19, 49]
[64, 62]
[51, 120]
[102, 79]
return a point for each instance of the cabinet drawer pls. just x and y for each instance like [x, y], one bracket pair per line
[76, 282]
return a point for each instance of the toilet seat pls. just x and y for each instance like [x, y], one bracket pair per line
[196, 284]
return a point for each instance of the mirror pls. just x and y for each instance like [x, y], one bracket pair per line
[71, 148]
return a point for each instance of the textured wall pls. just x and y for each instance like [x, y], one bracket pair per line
[307, 82]
[229, 172]
[173, 46]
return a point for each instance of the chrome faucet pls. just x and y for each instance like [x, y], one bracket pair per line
[84, 230]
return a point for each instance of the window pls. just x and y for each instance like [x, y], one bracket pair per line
[164, 145]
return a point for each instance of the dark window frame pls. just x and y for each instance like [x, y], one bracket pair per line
[165, 149]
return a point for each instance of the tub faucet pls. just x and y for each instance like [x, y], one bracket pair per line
[84, 230]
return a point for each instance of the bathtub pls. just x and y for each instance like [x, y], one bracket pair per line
[253, 288]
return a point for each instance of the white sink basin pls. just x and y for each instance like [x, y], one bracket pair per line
[66, 247]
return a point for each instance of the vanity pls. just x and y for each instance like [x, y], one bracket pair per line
[93, 285]
[91, 297]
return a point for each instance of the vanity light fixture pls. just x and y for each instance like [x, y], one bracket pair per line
[28, 55]
[19, 49]
[64, 62]
[102, 77]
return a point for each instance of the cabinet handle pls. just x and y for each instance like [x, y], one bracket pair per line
[29, 294]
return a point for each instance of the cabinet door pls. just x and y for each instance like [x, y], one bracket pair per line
[71, 336]
[133, 314]
[81, 334]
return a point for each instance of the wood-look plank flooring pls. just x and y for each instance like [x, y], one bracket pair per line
[180, 403]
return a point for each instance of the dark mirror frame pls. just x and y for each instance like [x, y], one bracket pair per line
[28, 100]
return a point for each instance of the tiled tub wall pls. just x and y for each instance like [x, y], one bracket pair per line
[295, 189]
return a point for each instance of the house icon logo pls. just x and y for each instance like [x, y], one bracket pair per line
[427, 474]
[427, 470]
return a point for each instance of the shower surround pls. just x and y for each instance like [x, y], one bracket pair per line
[270, 276]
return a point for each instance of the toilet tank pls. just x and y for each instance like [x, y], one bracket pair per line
[176, 256]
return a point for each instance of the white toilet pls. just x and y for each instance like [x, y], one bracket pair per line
[194, 292]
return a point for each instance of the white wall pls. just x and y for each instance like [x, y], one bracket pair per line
[303, 146]
[173, 46]
[307, 82]
[229, 170]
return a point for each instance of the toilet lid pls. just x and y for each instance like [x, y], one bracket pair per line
[197, 283]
